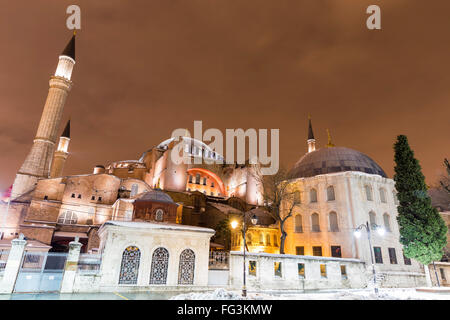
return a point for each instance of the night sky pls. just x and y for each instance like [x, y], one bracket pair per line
[147, 67]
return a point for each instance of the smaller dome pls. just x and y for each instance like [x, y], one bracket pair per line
[155, 195]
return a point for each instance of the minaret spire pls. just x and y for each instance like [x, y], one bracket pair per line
[329, 144]
[61, 153]
[37, 164]
[311, 141]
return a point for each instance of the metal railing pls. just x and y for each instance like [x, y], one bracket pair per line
[89, 263]
[219, 260]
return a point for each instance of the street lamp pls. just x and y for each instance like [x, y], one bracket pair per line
[380, 231]
[234, 224]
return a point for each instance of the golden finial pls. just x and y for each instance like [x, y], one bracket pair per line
[309, 116]
[329, 144]
[74, 32]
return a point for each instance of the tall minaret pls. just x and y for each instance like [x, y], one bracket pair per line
[37, 163]
[311, 141]
[61, 153]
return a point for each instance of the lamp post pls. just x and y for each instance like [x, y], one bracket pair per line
[234, 224]
[357, 234]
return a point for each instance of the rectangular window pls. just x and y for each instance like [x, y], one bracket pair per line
[336, 251]
[73, 195]
[204, 181]
[392, 256]
[317, 251]
[442, 274]
[277, 269]
[300, 251]
[252, 268]
[323, 270]
[93, 198]
[79, 196]
[301, 270]
[99, 198]
[344, 272]
[406, 260]
[378, 256]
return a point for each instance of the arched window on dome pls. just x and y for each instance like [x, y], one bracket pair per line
[387, 222]
[368, 190]
[313, 195]
[330, 193]
[382, 195]
[315, 226]
[333, 221]
[372, 219]
[298, 223]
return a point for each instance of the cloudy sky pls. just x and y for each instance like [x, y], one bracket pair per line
[147, 67]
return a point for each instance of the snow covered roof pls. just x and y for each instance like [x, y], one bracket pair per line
[224, 208]
[156, 225]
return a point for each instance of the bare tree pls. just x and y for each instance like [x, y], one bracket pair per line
[445, 182]
[280, 199]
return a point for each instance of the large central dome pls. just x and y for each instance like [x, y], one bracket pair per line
[334, 159]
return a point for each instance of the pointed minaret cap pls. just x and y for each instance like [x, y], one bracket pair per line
[310, 130]
[329, 144]
[69, 50]
[66, 132]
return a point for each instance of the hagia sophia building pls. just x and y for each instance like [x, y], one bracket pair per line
[338, 190]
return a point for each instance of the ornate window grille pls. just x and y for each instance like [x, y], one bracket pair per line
[159, 215]
[160, 263]
[130, 265]
[68, 217]
[187, 267]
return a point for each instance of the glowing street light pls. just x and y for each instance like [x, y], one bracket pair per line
[357, 234]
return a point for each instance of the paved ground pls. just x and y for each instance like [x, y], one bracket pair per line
[89, 296]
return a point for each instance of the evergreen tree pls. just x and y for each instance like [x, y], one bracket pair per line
[423, 232]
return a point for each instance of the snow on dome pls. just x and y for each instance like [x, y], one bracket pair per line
[155, 195]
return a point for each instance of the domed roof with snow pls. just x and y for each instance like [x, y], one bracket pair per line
[155, 195]
[334, 159]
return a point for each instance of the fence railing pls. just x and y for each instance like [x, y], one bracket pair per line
[219, 260]
[3, 258]
[89, 263]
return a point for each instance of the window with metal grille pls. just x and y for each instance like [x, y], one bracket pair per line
[68, 217]
[323, 270]
[317, 251]
[252, 268]
[187, 267]
[160, 263]
[301, 270]
[300, 251]
[343, 272]
[129, 268]
[277, 269]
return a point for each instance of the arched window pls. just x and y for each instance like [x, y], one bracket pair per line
[330, 193]
[159, 215]
[268, 240]
[134, 189]
[372, 218]
[275, 240]
[297, 197]
[129, 268]
[197, 178]
[382, 195]
[187, 267]
[68, 217]
[248, 241]
[394, 195]
[160, 263]
[313, 195]
[333, 221]
[387, 222]
[315, 222]
[190, 179]
[261, 238]
[298, 223]
[368, 190]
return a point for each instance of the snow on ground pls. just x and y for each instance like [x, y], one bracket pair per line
[350, 294]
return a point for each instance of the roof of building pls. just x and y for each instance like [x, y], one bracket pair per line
[66, 132]
[155, 195]
[69, 50]
[335, 159]
[156, 225]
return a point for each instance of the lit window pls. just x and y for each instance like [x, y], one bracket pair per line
[277, 269]
[323, 270]
[344, 272]
[301, 270]
[298, 223]
[315, 222]
[378, 255]
[336, 251]
[317, 251]
[300, 251]
[387, 223]
[252, 268]
[268, 240]
[68, 217]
